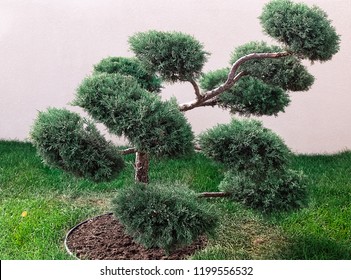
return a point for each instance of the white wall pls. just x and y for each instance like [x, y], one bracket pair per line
[48, 46]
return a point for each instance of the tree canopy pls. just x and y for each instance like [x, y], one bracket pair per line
[123, 93]
[305, 31]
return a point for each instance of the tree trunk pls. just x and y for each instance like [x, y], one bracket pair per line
[142, 167]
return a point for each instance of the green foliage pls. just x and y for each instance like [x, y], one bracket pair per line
[252, 96]
[249, 96]
[165, 216]
[286, 72]
[285, 190]
[174, 55]
[163, 130]
[258, 163]
[150, 124]
[213, 79]
[245, 145]
[129, 66]
[306, 31]
[112, 99]
[66, 141]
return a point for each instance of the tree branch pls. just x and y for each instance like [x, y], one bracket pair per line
[128, 151]
[196, 88]
[213, 194]
[233, 77]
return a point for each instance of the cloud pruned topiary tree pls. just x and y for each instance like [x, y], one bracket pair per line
[123, 94]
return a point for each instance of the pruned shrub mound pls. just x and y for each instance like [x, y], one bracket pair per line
[149, 123]
[289, 73]
[245, 145]
[175, 56]
[275, 192]
[258, 166]
[306, 31]
[65, 140]
[164, 216]
[249, 96]
[129, 67]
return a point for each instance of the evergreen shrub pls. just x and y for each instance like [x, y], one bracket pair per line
[164, 216]
[281, 191]
[149, 123]
[129, 67]
[65, 140]
[175, 56]
[305, 31]
[286, 72]
[245, 145]
[258, 161]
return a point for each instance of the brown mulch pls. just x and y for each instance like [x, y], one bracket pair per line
[103, 238]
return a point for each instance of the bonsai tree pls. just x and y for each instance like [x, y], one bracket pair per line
[123, 94]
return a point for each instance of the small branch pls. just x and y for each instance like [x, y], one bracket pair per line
[128, 151]
[213, 194]
[196, 88]
[233, 77]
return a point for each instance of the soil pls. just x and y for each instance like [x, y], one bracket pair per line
[103, 238]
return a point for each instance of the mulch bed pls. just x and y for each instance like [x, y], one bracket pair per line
[103, 238]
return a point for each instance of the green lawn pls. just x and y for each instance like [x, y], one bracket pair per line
[55, 202]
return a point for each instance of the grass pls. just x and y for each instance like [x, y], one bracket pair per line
[55, 202]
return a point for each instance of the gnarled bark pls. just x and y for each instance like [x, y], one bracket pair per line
[208, 98]
[142, 167]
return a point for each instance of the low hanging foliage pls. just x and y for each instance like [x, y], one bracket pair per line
[258, 166]
[65, 140]
[164, 215]
[276, 191]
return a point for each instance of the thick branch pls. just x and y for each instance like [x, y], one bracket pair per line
[128, 151]
[205, 99]
[233, 77]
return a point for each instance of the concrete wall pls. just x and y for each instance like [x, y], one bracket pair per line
[48, 46]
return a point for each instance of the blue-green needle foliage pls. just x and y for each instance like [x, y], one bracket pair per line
[280, 191]
[258, 162]
[245, 146]
[129, 67]
[173, 55]
[164, 215]
[286, 72]
[305, 31]
[249, 96]
[263, 90]
[65, 140]
[150, 124]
